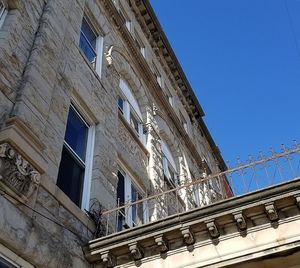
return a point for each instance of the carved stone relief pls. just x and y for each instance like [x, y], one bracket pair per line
[16, 173]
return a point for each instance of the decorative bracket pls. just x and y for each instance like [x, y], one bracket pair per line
[136, 251]
[240, 221]
[297, 197]
[188, 236]
[161, 243]
[271, 211]
[16, 173]
[212, 229]
[108, 259]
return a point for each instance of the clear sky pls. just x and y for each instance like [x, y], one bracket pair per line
[242, 58]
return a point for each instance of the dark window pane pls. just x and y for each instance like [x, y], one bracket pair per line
[121, 104]
[91, 37]
[133, 207]
[134, 122]
[5, 264]
[121, 200]
[76, 134]
[87, 41]
[70, 176]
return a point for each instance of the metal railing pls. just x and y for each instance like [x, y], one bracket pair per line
[266, 170]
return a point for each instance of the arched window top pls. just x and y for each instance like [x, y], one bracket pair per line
[130, 98]
[167, 153]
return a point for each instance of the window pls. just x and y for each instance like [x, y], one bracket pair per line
[126, 18]
[140, 45]
[183, 122]
[75, 166]
[128, 192]
[129, 107]
[5, 263]
[169, 96]
[3, 12]
[91, 45]
[169, 166]
[157, 76]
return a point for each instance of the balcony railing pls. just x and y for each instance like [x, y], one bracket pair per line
[267, 170]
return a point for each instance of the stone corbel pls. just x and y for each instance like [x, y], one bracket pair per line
[240, 221]
[16, 174]
[271, 211]
[136, 251]
[162, 243]
[188, 236]
[108, 259]
[212, 229]
[297, 197]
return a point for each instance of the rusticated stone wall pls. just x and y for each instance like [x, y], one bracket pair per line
[42, 70]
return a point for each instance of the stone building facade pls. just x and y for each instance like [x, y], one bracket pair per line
[95, 112]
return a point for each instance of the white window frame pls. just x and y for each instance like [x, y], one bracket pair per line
[99, 46]
[3, 13]
[131, 108]
[12, 258]
[128, 183]
[89, 153]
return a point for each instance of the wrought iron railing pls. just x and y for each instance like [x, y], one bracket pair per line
[254, 174]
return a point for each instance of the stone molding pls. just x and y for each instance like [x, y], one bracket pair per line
[16, 173]
[23, 140]
[235, 217]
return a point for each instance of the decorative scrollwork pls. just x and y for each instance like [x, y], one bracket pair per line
[16, 172]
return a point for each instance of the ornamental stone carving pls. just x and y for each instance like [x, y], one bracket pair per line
[188, 236]
[108, 259]
[240, 221]
[16, 173]
[136, 251]
[162, 243]
[271, 211]
[212, 229]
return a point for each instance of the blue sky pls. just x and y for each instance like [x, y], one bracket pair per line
[242, 59]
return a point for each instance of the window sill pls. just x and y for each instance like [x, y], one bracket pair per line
[133, 133]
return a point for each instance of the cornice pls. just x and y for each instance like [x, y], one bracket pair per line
[208, 225]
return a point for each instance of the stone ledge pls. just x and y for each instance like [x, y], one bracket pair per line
[25, 142]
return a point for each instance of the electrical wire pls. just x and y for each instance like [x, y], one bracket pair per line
[4, 193]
